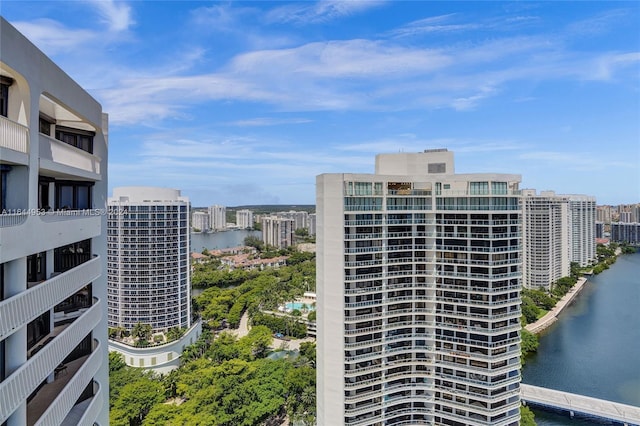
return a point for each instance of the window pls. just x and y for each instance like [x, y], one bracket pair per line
[36, 267]
[68, 257]
[479, 188]
[4, 173]
[43, 193]
[79, 138]
[72, 195]
[5, 82]
[45, 124]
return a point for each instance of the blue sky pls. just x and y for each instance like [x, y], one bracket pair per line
[246, 102]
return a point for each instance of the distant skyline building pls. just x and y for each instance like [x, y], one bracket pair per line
[604, 214]
[582, 224]
[200, 221]
[625, 233]
[545, 238]
[53, 281]
[244, 219]
[277, 231]
[218, 217]
[419, 280]
[313, 224]
[300, 218]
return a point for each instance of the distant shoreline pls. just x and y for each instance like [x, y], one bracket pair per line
[552, 316]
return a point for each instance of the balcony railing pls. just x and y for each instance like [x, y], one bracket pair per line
[28, 305]
[15, 389]
[91, 413]
[66, 399]
[65, 154]
[13, 219]
[13, 136]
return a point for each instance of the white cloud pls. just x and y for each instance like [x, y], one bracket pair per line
[266, 121]
[320, 11]
[52, 37]
[116, 15]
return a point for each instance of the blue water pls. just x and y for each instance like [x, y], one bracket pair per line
[220, 240]
[299, 306]
[594, 347]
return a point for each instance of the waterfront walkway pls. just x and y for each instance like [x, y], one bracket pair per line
[579, 404]
[552, 316]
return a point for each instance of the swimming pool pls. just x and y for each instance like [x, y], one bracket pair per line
[299, 306]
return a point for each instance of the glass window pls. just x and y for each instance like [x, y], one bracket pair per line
[4, 100]
[75, 137]
[71, 195]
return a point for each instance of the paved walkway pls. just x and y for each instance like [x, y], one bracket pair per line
[243, 327]
[552, 316]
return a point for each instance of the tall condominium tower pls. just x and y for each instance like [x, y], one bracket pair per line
[148, 256]
[545, 238]
[582, 224]
[244, 219]
[200, 221]
[419, 279]
[625, 233]
[53, 287]
[218, 217]
[277, 232]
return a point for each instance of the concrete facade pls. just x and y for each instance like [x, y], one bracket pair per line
[217, 217]
[148, 270]
[277, 231]
[53, 288]
[582, 229]
[419, 272]
[546, 238]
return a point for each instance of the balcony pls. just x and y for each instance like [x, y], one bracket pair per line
[14, 141]
[71, 226]
[15, 389]
[59, 157]
[26, 306]
[54, 400]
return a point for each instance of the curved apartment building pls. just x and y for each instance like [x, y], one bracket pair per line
[53, 165]
[419, 279]
[148, 258]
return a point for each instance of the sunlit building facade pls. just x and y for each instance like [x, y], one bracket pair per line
[53, 287]
[419, 273]
[582, 229]
[148, 253]
[545, 238]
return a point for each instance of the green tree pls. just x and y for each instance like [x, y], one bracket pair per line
[529, 342]
[527, 418]
[141, 331]
[136, 399]
[254, 242]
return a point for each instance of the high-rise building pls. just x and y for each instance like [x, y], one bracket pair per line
[300, 219]
[604, 214]
[277, 232]
[244, 219]
[419, 279]
[53, 286]
[149, 271]
[200, 221]
[545, 238]
[600, 229]
[625, 233]
[582, 232]
[218, 217]
[312, 224]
